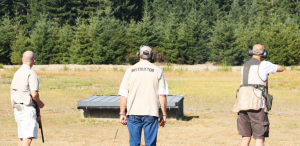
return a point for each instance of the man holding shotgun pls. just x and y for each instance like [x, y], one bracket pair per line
[142, 89]
[24, 93]
[254, 101]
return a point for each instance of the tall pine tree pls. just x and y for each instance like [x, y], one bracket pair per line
[7, 36]
[81, 51]
[223, 44]
[108, 39]
[19, 46]
[42, 40]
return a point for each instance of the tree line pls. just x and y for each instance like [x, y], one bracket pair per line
[180, 31]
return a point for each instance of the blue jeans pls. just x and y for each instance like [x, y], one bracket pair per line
[135, 125]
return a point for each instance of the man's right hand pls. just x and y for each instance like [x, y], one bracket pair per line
[123, 119]
[280, 68]
[41, 104]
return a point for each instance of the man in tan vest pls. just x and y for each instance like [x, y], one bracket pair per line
[142, 89]
[251, 100]
[24, 84]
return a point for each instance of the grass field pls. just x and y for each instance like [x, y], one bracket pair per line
[208, 121]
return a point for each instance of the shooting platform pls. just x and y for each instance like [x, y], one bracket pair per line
[107, 107]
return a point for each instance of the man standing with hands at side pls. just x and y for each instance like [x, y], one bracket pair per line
[143, 87]
[253, 95]
[24, 89]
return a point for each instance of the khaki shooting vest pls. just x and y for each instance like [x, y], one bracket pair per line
[250, 92]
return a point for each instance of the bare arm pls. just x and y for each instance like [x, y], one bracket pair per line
[35, 95]
[163, 103]
[280, 68]
[123, 118]
[163, 106]
[123, 102]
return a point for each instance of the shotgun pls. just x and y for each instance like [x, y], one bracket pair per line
[38, 113]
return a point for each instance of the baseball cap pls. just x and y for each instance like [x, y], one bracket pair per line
[145, 51]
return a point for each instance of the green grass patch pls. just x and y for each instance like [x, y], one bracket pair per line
[121, 69]
[169, 67]
[43, 69]
[79, 69]
[65, 68]
[115, 68]
[14, 69]
[224, 67]
[295, 68]
[181, 69]
[7, 76]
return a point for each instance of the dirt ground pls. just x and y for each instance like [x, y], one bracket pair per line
[208, 120]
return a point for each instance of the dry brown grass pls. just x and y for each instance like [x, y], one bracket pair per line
[209, 95]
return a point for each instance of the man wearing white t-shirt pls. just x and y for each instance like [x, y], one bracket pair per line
[142, 89]
[251, 103]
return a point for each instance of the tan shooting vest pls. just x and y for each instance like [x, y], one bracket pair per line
[250, 92]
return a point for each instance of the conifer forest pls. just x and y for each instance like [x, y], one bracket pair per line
[180, 31]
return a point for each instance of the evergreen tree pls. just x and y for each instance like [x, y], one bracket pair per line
[19, 46]
[111, 31]
[56, 39]
[6, 8]
[128, 9]
[108, 34]
[20, 9]
[123, 10]
[284, 49]
[211, 11]
[225, 5]
[33, 13]
[66, 37]
[167, 35]
[196, 32]
[165, 23]
[145, 27]
[130, 43]
[6, 38]
[42, 41]
[62, 11]
[91, 7]
[223, 44]
[81, 51]
[250, 34]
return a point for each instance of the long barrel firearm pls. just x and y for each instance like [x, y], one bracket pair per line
[38, 113]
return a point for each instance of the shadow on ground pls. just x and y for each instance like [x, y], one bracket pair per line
[188, 118]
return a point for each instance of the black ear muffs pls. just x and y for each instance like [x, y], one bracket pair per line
[263, 55]
[250, 52]
[152, 54]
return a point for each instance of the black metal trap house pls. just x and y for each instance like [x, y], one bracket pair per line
[107, 107]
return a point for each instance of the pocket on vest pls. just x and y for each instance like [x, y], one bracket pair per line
[247, 99]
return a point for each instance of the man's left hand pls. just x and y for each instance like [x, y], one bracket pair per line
[163, 120]
[39, 118]
[41, 104]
